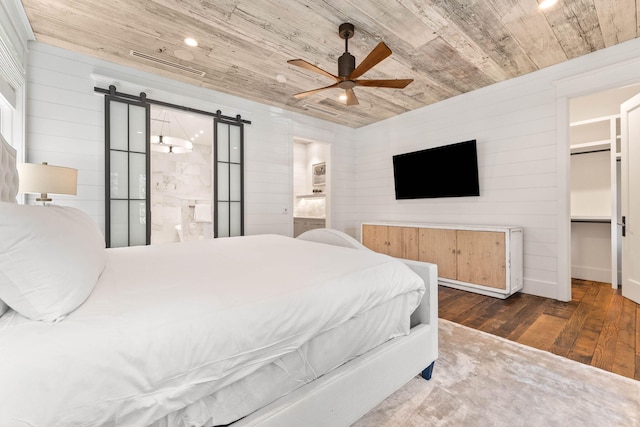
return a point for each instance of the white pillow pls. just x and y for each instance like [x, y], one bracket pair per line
[50, 259]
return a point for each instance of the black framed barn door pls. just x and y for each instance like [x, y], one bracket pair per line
[229, 178]
[127, 172]
[128, 169]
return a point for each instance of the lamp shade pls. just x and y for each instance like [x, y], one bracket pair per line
[44, 178]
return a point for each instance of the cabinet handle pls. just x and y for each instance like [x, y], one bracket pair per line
[458, 252]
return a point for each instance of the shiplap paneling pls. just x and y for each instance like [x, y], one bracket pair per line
[509, 119]
[65, 126]
[516, 126]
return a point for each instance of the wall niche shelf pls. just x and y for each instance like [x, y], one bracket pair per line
[311, 196]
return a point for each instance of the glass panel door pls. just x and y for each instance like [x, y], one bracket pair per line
[229, 173]
[127, 168]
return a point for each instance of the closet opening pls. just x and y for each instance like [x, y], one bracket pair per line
[595, 184]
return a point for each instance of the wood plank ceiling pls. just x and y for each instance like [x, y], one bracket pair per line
[448, 47]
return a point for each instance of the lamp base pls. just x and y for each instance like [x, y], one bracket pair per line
[43, 198]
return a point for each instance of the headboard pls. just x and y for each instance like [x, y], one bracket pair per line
[8, 172]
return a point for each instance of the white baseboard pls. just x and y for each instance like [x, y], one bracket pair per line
[540, 288]
[590, 273]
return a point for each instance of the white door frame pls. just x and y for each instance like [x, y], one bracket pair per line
[630, 282]
[605, 78]
[329, 182]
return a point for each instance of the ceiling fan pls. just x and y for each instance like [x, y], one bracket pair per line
[348, 73]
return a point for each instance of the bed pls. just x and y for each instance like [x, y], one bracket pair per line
[259, 330]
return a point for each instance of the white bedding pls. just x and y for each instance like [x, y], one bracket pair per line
[164, 320]
[320, 355]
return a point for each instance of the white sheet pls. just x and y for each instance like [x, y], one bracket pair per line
[164, 319]
[313, 359]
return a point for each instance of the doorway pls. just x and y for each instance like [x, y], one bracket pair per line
[311, 185]
[595, 166]
[129, 143]
[181, 175]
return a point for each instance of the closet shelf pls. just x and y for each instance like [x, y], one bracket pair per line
[595, 120]
[600, 219]
[591, 146]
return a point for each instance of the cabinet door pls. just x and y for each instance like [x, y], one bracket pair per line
[375, 238]
[482, 258]
[438, 246]
[312, 224]
[403, 242]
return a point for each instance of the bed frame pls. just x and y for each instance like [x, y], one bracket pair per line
[345, 394]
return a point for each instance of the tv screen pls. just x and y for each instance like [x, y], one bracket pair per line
[447, 171]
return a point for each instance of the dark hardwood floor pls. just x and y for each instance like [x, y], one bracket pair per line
[598, 327]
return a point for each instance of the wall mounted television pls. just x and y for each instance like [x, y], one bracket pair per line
[446, 171]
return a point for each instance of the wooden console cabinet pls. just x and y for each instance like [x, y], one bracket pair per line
[482, 259]
[399, 242]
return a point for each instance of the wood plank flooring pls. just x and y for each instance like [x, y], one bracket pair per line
[597, 327]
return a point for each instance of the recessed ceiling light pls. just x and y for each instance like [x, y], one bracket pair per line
[190, 41]
[280, 78]
[545, 4]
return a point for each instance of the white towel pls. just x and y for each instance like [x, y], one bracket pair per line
[202, 213]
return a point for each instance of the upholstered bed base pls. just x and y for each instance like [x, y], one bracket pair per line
[342, 396]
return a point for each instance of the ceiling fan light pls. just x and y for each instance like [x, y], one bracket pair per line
[190, 41]
[545, 4]
[343, 97]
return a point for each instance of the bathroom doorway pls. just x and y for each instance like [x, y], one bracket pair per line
[197, 179]
[182, 182]
[311, 185]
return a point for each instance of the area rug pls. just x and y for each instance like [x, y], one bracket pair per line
[484, 380]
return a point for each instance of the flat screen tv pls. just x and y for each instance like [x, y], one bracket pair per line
[447, 171]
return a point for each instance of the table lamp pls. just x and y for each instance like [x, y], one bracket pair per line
[44, 179]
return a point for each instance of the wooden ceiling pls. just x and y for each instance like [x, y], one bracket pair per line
[448, 47]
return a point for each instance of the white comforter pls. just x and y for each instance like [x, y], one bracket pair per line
[168, 324]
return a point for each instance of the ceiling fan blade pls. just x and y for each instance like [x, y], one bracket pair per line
[351, 97]
[311, 92]
[395, 84]
[379, 53]
[307, 65]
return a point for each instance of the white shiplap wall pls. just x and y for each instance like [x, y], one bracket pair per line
[521, 127]
[65, 126]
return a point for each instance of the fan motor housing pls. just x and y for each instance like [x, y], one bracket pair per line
[346, 64]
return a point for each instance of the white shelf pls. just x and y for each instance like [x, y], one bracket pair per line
[591, 218]
[311, 196]
[591, 146]
[596, 120]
